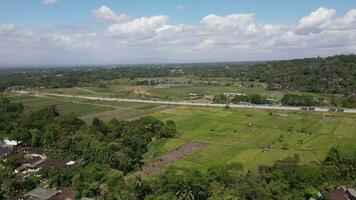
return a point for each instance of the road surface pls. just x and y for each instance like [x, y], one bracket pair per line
[186, 103]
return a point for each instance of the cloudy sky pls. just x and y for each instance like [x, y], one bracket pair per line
[76, 32]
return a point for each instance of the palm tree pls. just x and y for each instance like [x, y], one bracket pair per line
[185, 194]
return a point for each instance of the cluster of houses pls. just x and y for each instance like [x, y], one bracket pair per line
[30, 160]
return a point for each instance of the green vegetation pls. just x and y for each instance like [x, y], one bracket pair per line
[255, 138]
[116, 146]
[299, 100]
[331, 75]
[79, 108]
[334, 74]
[221, 99]
[286, 179]
[89, 109]
[253, 98]
[249, 154]
[243, 154]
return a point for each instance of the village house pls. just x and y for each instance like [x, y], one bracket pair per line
[208, 97]
[6, 148]
[47, 194]
[336, 194]
[31, 164]
[193, 94]
[231, 95]
[341, 194]
[34, 159]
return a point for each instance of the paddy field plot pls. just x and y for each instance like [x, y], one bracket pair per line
[254, 137]
[88, 109]
[63, 105]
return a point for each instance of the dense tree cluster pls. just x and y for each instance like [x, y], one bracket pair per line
[287, 179]
[222, 99]
[349, 102]
[9, 113]
[299, 100]
[253, 98]
[336, 74]
[116, 145]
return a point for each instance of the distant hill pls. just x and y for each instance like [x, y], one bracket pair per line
[336, 74]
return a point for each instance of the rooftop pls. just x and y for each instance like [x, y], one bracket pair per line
[64, 194]
[41, 194]
[336, 194]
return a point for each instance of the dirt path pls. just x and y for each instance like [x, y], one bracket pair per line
[86, 90]
[166, 160]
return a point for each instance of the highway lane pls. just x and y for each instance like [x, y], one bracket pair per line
[186, 103]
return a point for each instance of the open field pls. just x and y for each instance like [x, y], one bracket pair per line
[63, 105]
[88, 109]
[175, 89]
[243, 135]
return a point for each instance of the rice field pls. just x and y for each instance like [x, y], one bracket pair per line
[254, 137]
[250, 137]
[89, 109]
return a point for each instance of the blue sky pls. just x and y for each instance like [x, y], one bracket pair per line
[195, 28]
[77, 12]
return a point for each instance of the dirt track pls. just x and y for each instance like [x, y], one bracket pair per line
[165, 161]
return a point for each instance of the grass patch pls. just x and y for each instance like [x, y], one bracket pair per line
[63, 105]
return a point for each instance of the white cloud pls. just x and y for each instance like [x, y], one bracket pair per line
[6, 28]
[107, 15]
[170, 31]
[346, 22]
[234, 22]
[138, 28]
[49, 2]
[315, 22]
[238, 36]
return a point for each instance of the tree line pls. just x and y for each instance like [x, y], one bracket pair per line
[334, 75]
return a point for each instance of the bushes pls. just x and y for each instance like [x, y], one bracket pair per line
[253, 98]
[350, 102]
[221, 99]
[298, 100]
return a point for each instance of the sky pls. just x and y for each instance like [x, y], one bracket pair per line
[81, 32]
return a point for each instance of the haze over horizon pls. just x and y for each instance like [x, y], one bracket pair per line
[67, 32]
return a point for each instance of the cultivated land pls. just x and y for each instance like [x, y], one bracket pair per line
[250, 137]
[88, 109]
[79, 108]
[253, 138]
[175, 89]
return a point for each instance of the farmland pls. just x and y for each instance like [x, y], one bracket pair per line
[176, 89]
[253, 138]
[88, 109]
[63, 106]
[249, 137]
